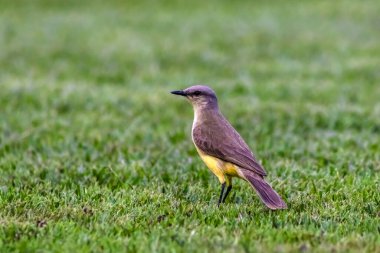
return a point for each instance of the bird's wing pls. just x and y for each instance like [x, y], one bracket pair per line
[217, 138]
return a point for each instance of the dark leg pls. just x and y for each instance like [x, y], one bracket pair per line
[228, 191]
[221, 194]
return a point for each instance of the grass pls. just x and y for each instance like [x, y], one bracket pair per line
[95, 155]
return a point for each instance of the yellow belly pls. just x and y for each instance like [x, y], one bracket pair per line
[223, 170]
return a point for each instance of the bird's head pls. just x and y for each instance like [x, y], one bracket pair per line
[200, 96]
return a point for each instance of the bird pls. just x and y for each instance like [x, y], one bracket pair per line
[222, 148]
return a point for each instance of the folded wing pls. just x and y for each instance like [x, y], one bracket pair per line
[216, 137]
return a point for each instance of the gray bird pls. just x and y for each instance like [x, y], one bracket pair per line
[223, 150]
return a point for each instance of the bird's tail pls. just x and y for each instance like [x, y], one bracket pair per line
[269, 196]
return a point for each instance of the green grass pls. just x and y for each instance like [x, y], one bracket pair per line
[96, 155]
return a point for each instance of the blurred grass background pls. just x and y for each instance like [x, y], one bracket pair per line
[96, 155]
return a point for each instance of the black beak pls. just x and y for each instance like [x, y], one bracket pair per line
[178, 92]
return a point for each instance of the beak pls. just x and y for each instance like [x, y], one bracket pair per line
[178, 92]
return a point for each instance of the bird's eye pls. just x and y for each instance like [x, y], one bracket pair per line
[197, 93]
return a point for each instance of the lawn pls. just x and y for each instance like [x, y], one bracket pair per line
[96, 155]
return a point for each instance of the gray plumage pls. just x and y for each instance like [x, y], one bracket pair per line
[215, 136]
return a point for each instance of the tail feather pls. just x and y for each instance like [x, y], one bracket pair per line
[269, 196]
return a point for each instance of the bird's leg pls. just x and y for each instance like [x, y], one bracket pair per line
[221, 194]
[227, 192]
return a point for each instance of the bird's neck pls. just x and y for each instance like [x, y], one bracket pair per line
[201, 114]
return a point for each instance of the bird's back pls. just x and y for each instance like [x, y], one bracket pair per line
[215, 136]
